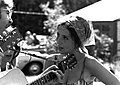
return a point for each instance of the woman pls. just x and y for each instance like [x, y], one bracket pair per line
[72, 37]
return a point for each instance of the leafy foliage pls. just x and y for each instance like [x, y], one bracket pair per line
[53, 14]
[33, 22]
[103, 47]
[44, 23]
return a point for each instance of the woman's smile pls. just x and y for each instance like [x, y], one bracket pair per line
[61, 48]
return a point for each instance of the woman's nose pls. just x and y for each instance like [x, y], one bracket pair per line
[59, 41]
[10, 21]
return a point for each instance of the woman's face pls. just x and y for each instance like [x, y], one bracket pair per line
[64, 41]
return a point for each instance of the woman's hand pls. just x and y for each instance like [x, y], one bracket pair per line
[8, 55]
[56, 72]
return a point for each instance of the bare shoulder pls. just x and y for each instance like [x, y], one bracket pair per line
[91, 61]
[90, 58]
[98, 70]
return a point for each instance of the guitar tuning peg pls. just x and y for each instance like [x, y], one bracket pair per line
[1, 37]
[4, 33]
[13, 43]
[8, 46]
[4, 40]
[14, 32]
[72, 67]
[18, 39]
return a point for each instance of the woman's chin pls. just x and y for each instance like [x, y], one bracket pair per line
[63, 52]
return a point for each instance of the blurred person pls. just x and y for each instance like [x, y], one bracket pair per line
[72, 36]
[30, 41]
[29, 38]
[6, 7]
[35, 41]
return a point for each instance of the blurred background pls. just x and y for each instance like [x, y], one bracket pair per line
[32, 14]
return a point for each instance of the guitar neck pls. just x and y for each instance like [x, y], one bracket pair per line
[44, 79]
[19, 78]
[67, 63]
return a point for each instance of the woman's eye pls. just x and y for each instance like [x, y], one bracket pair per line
[66, 38]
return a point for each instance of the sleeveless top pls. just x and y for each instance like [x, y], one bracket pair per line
[85, 77]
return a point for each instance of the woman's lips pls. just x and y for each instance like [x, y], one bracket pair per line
[60, 48]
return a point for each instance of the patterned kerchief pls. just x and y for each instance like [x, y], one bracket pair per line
[83, 29]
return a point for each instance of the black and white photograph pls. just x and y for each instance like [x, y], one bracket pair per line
[59, 42]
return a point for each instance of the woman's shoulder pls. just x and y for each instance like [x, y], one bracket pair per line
[90, 57]
[90, 60]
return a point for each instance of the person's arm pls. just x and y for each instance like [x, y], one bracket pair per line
[57, 74]
[50, 66]
[99, 71]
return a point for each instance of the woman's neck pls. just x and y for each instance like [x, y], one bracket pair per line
[78, 53]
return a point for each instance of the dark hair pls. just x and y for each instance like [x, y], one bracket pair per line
[73, 34]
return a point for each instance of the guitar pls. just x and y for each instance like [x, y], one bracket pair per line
[16, 77]
[9, 38]
[68, 63]
[12, 77]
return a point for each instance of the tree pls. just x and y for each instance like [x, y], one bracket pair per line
[27, 21]
[34, 22]
[53, 14]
